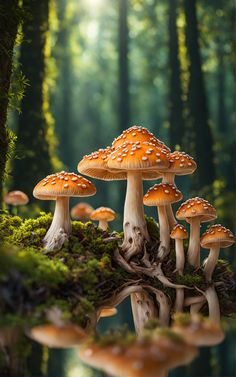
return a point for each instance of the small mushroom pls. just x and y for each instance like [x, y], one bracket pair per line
[103, 215]
[81, 211]
[161, 195]
[216, 237]
[179, 234]
[195, 211]
[60, 187]
[197, 330]
[107, 312]
[16, 198]
[64, 336]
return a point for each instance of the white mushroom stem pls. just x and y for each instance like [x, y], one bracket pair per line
[164, 230]
[103, 224]
[179, 300]
[170, 178]
[143, 309]
[195, 308]
[194, 300]
[135, 227]
[211, 262]
[213, 303]
[194, 242]
[61, 220]
[180, 257]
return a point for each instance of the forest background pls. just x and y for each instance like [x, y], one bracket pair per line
[76, 73]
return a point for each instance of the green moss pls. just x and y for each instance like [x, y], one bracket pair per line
[153, 228]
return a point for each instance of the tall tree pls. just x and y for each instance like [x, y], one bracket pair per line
[176, 130]
[198, 111]
[124, 111]
[9, 20]
[34, 161]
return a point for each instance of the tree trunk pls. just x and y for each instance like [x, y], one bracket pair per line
[198, 111]
[176, 131]
[9, 20]
[34, 162]
[222, 121]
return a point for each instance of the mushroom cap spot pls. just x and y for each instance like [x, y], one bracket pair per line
[139, 160]
[81, 211]
[64, 336]
[179, 232]
[17, 198]
[217, 235]
[181, 163]
[162, 194]
[138, 134]
[196, 207]
[103, 213]
[65, 185]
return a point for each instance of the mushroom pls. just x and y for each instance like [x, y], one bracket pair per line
[103, 215]
[64, 336]
[180, 164]
[16, 198]
[195, 211]
[134, 162]
[179, 234]
[161, 195]
[107, 312]
[60, 187]
[197, 330]
[81, 211]
[152, 354]
[216, 237]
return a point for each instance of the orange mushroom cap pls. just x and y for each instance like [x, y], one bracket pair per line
[103, 213]
[179, 232]
[16, 198]
[217, 234]
[181, 163]
[144, 157]
[63, 184]
[108, 312]
[162, 194]
[81, 211]
[196, 207]
[138, 133]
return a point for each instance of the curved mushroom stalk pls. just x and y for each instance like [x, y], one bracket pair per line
[213, 304]
[194, 300]
[60, 224]
[194, 242]
[211, 261]
[135, 227]
[196, 308]
[171, 217]
[143, 309]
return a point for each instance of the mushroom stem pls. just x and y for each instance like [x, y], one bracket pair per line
[164, 230]
[194, 242]
[195, 308]
[179, 300]
[135, 227]
[61, 220]
[164, 308]
[211, 262]
[180, 257]
[103, 224]
[170, 178]
[143, 309]
[213, 304]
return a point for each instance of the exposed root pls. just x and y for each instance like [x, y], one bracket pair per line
[164, 306]
[143, 308]
[59, 238]
[135, 238]
[122, 262]
[194, 300]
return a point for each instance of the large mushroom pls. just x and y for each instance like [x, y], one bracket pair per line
[103, 215]
[180, 164]
[81, 211]
[134, 162]
[216, 237]
[195, 211]
[16, 198]
[60, 187]
[161, 195]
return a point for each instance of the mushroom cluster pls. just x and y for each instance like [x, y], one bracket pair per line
[154, 265]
